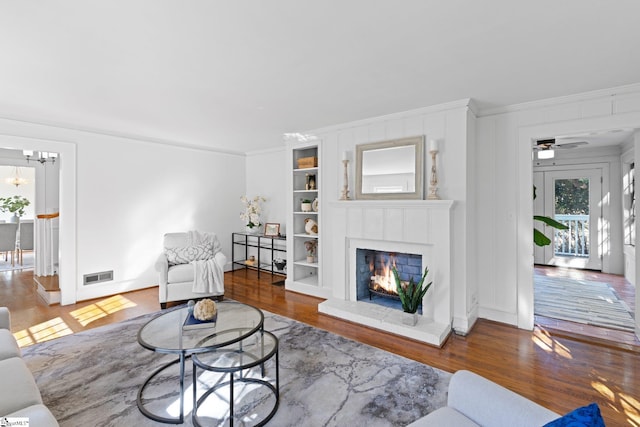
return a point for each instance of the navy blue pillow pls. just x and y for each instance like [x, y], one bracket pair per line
[587, 416]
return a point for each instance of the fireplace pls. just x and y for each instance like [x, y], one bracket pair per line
[420, 229]
[375, 282]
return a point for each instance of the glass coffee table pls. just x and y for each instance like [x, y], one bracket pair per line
[164, 334]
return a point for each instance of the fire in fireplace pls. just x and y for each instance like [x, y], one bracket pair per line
[375, 275]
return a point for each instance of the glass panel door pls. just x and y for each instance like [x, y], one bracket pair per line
[573, 198]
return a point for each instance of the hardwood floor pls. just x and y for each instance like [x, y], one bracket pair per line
[557, 372]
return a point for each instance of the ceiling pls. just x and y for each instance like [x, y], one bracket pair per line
[237, 74]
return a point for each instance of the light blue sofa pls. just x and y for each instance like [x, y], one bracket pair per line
[19, 394]
[475, 401]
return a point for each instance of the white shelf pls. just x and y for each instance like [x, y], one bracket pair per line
[305, 170]
[306, 236]
[305, 191]
[305, 213]
[307, 264]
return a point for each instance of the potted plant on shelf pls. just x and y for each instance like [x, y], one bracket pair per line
[411, 294]
[305, 205]
[15, 205]
[251, 213]
[311, 246]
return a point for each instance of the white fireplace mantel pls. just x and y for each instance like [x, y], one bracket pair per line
[424, 226]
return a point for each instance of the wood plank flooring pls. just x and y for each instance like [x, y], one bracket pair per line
[557, 372]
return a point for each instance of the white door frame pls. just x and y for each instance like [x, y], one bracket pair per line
[526, 136]
[67, 268]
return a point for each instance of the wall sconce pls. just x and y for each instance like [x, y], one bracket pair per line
[41, 156]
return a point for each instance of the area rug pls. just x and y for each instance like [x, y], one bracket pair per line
[93, 377]
[27, 262]
[587, 302]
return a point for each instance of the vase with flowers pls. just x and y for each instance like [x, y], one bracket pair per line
[251, 213]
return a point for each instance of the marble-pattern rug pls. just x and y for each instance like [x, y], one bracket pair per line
[93, 377]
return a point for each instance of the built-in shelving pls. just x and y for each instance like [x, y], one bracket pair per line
[305, 184]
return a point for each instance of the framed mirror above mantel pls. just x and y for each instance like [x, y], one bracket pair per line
[390, 170]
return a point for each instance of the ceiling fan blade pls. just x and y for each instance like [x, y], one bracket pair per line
[571, 144]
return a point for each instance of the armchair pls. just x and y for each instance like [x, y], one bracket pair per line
[176, 280]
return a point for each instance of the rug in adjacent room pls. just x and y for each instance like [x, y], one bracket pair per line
[92, 378]
[582, 301]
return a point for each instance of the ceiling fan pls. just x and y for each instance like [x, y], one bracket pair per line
[550, 144]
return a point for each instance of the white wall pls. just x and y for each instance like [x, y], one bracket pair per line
[504, 181]
[267, 176]
[120, 195]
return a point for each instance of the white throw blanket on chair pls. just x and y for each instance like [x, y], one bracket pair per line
[208, 276]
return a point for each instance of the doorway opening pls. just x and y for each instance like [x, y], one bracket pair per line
[579, 282]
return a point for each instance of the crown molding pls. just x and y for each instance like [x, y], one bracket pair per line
[561, 100]
[120, 135]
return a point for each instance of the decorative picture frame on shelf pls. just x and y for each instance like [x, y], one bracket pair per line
[272, 229]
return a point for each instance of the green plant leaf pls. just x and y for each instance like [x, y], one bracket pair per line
[540, 239]
[551, 222]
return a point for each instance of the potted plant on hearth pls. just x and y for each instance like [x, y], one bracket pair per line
[411, 295]
[15, 205]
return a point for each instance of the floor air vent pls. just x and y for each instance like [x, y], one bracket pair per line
[93, 278]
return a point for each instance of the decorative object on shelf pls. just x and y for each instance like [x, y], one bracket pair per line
[272, 229]
[307, 162]
[311, 247]
[310, 226]
[433, 182]
[411, 294]
[280, 263]
[16, 179]
[314, 205]
[15, 205]
[251, 213]
[345, 187]
[41, 156]
[305, 205]
[310, 182]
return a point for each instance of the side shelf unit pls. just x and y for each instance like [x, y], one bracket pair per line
[264, 249]
[304, 273]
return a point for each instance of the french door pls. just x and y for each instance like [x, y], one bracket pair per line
[573, 198]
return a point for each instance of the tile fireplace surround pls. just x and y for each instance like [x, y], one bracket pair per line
[416, 227]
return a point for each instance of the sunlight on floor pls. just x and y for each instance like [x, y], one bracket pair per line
[54, 328]
[543, 339]
[101, 309]
[618, 401]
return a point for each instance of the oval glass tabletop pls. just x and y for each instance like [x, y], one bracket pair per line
[165, 333]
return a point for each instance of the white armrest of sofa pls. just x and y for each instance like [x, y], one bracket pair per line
[162, 267]
[5, 318]
[476, 401]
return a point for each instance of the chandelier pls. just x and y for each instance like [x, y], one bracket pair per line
[16, 179]
[41, 156]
